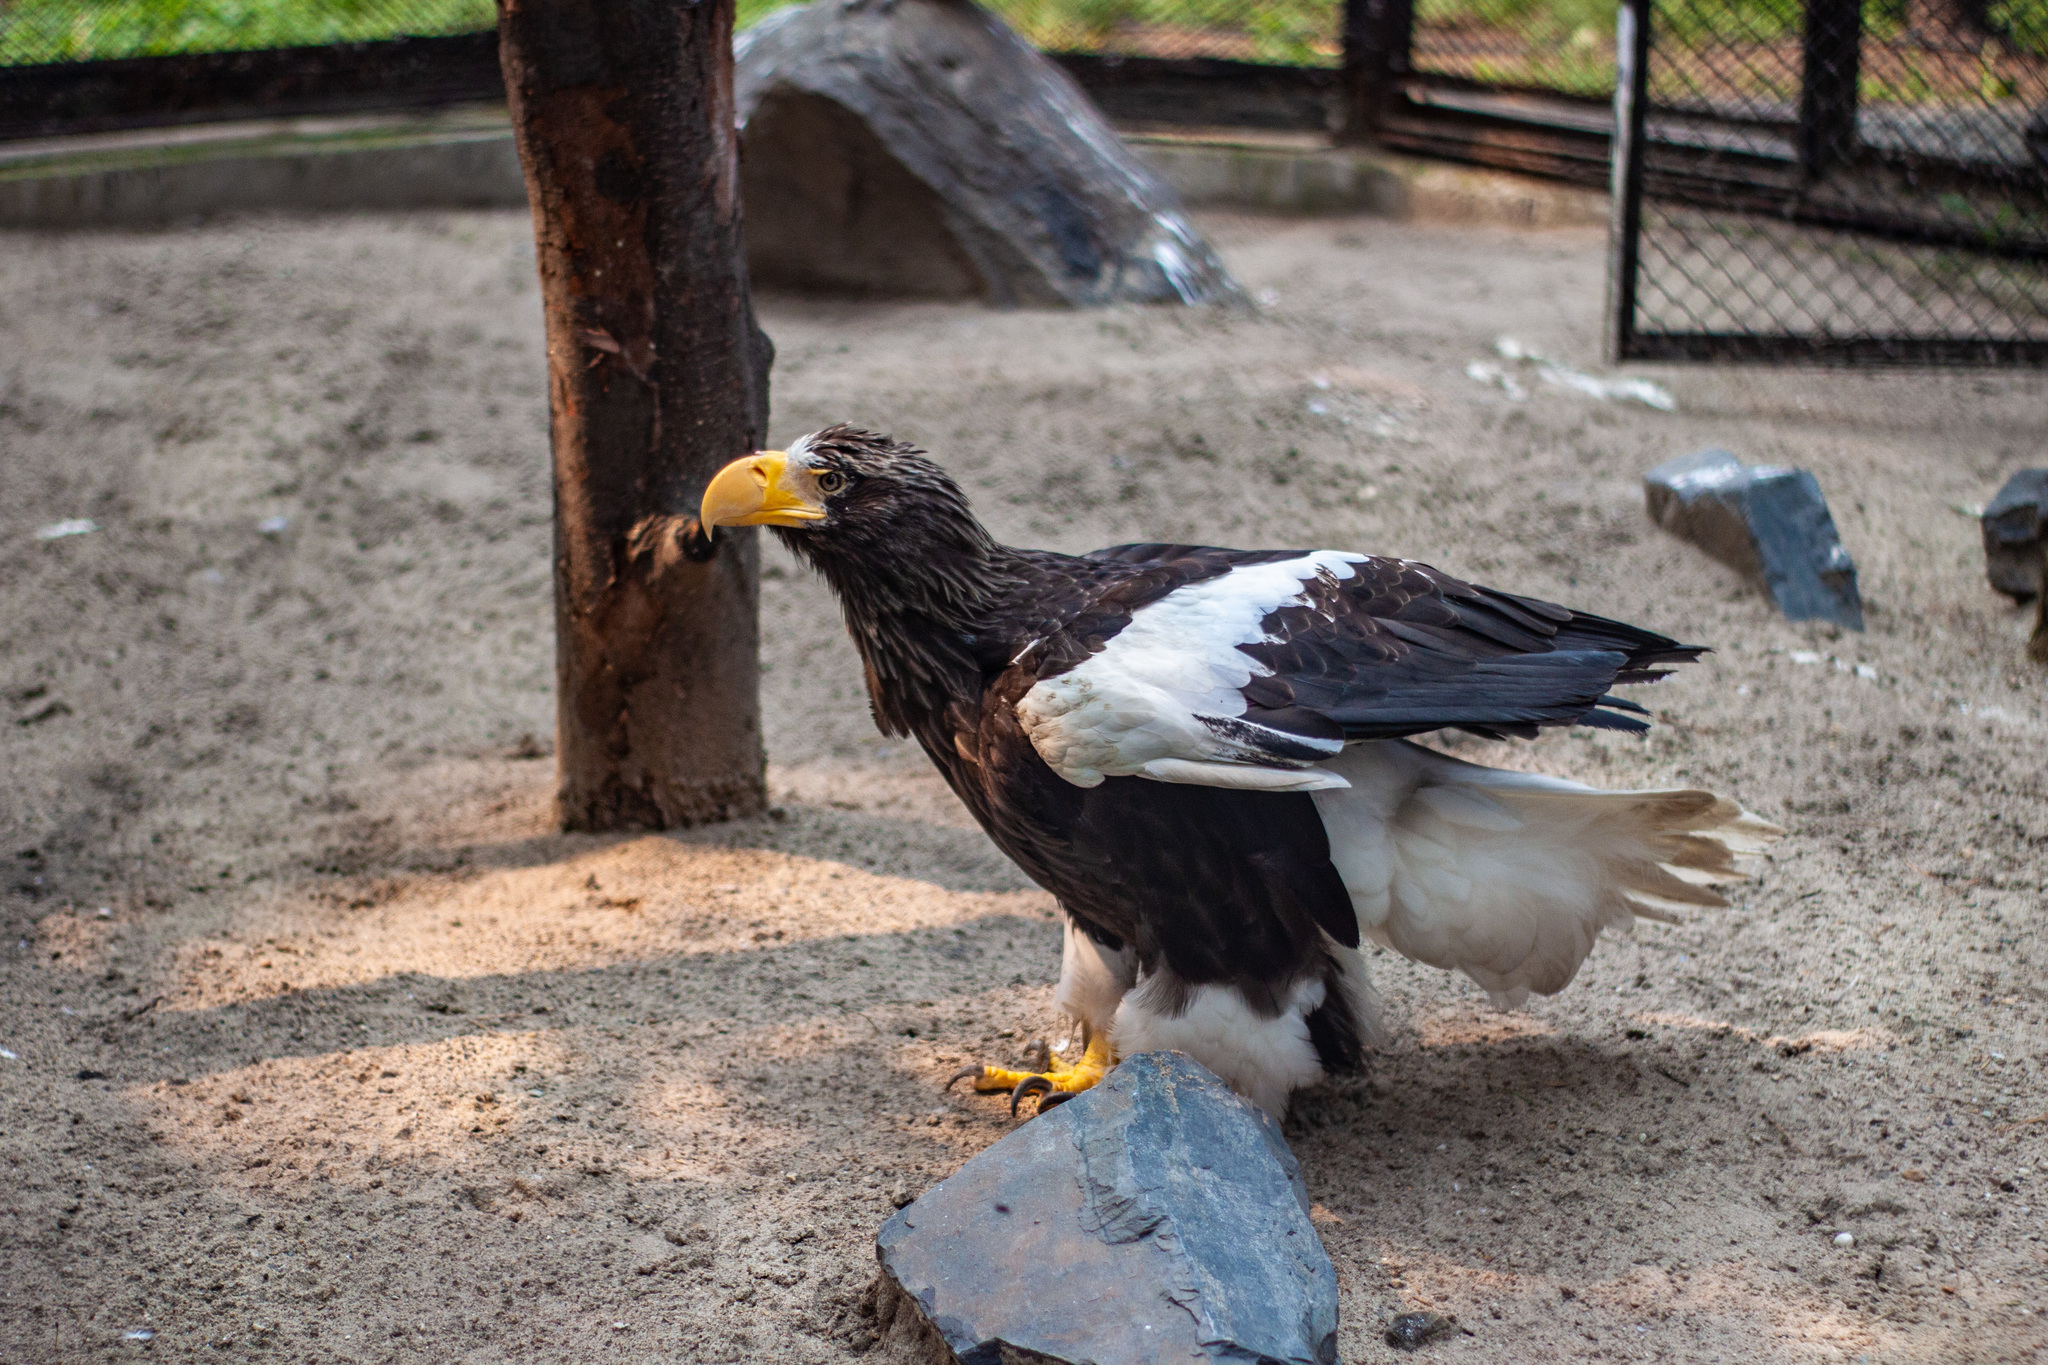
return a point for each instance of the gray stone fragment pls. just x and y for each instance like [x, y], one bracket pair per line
[1156, 1217]
[1408, 1331]
[2015, 534]
[1768, 523]
[920, 147]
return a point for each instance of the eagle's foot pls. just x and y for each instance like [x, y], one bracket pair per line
[1055, 1082]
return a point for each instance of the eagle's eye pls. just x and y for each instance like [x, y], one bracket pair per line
[831, 481]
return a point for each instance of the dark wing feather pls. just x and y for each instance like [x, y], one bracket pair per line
[1400, 648]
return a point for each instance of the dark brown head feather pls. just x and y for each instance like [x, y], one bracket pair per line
[912, 567]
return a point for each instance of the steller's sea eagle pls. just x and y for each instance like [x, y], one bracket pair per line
[1203, 754]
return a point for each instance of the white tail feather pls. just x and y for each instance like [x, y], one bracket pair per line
[1510, 877]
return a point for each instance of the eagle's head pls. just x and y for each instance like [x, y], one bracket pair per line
[839, 483]
[890, 529]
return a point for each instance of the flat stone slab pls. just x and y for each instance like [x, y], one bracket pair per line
[1157, 1217]
[920, 147]
[1769, 523]
[2016, 535]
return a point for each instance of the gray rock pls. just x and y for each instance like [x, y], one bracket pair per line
[919, 147]
[1768, 523]
[1409, 1331]
[2016, 533]
[1156, 1217]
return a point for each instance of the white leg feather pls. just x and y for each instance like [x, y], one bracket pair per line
[1092, 980]
[1262, 1059]
[1510, 877]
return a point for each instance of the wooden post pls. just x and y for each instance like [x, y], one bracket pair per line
[1832, 48]
[657, 375]
[1378, 36]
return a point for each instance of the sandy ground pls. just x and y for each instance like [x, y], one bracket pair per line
[321, 1045]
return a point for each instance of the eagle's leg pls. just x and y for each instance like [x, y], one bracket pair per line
[1061, 1079]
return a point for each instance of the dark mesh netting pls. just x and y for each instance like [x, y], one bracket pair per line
[1841, 180]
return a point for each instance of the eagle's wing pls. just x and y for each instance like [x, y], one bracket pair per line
[1256, 670]
[1247, 669]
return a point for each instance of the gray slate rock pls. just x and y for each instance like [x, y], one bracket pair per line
[2016, 533]
[1156, 1217]
[1768, 523]
[919, 147]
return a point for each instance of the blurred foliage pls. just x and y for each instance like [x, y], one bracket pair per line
[2023, 24]
[1564, 45]
[1281, 32]
[83, 30]
[1286, 32]
[33, 31]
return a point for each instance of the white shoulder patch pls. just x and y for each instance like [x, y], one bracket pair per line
[1162, 700]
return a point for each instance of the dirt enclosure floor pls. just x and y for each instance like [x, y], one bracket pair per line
[321, 1045]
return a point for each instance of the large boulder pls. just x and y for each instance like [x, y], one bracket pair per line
[1158, 1216]
[919, 147]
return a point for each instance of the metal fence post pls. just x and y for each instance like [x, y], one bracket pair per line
[1624, 233]
[1377, 38]
[1832, 52]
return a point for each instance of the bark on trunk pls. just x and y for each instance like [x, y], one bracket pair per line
[657, 375]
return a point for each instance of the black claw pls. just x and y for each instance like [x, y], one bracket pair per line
[1037, 1055]
[1030, 1085]
[1055, 1100]
[962, 1074]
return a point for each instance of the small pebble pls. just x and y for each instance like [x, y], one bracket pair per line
[1410, 1330]
[1845, 1240]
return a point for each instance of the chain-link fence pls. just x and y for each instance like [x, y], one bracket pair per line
[1561, 47]
[1281, 32]
[1276, 32]
[1519, 84]
[1835, 180]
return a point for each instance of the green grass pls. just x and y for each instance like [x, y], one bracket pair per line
[1565, 45]
[33, 31]
[1291, 32]
[1299, 32]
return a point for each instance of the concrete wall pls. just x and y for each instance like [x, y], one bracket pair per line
[466, 159]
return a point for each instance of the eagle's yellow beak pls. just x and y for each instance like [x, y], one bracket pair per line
[760, 489]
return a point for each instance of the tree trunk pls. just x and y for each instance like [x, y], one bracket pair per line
[657, 375]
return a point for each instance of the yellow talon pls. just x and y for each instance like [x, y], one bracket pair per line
[1059, 1078]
